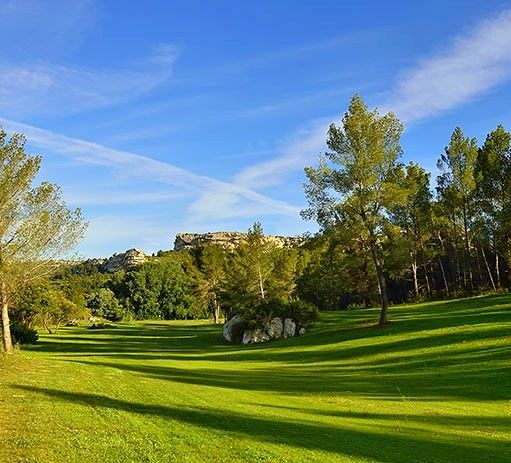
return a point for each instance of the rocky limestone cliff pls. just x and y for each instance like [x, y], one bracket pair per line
[123, 260]
[226, 239]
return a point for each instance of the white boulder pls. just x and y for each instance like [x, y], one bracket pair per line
[289, 328]
[254, 336]
[229, 331]
[274, 328]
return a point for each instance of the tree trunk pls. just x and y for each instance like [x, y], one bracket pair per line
[368, 295]
[479, 270]
[47, 326]
[261, 286]
[382, 286]
[497, 268]
[508, 266]
[414, 273]
[216, 311]
[433, 284]
[443, 276]
[442, 265]
[6, 325]
[467, 259]
[426, 277]
[470, 274]
[456, 253]
[426, 271]
[488, 269]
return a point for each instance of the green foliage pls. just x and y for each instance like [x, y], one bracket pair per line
[36, 227]
[44, 304]
[250, 267]
[301, 312]
[211, 261]
[493, 177]
[55, 310]
[79, 281]
[323, 280]
[104, 304]
[382, 229]
[160, 289]
[22, 334]
[261, 311]
[259, 269]
[357, 183]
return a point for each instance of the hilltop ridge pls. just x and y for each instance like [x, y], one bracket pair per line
[225, 239]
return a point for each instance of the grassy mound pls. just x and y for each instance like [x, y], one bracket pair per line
[434, 386]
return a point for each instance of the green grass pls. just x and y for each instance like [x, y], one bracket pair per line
[433, 386]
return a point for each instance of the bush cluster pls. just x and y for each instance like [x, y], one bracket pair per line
[22, 334]
[260, 311]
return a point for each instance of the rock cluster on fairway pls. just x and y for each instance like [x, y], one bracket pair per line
[275, 328]
[231, 328]
[227, 240]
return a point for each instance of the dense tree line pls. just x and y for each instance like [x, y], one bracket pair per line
[206, 281]
[385, 233]
[257, 279]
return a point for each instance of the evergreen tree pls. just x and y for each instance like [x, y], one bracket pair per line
[356, 181]
[493, 176]
[456, 187]
[212, 262]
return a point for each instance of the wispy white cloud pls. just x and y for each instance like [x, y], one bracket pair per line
[284, 55]
[150, 132]
[293, 155]
[291, 103]
[211, 113]
[108, 197]
[224, 201]
[128, 165]
[45, 88]
[469, 66]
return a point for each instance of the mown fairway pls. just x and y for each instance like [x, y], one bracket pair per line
[434, 386]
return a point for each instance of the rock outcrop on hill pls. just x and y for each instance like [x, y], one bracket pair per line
[123, 260]
[185, 241]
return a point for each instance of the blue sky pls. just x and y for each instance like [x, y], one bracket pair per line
[160, 117]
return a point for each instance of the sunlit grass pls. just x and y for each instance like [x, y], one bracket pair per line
[433, 386]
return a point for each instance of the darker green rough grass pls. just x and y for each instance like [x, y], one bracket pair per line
[433, 386]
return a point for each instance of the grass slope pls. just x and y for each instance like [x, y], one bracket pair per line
[434, 386]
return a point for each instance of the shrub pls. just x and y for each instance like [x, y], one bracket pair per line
[258, 312]
[103, 303]
[302, 312]
[22, 334]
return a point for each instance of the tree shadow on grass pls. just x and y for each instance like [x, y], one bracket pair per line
[470, 422]
[129, 339]
[383, 442]
[472, 381]
[333, 358]
[334, 330]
